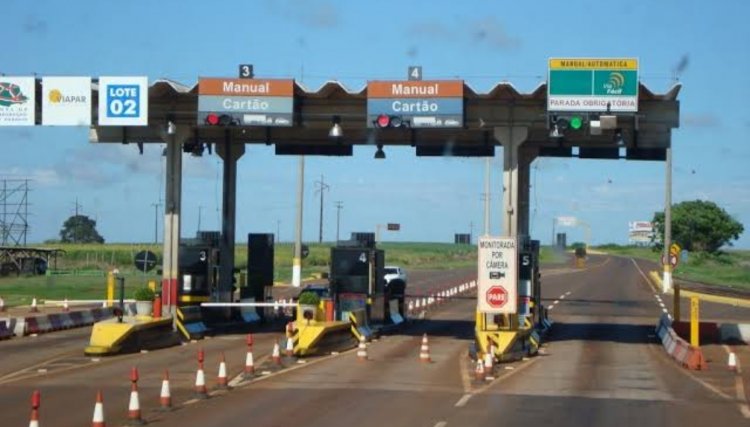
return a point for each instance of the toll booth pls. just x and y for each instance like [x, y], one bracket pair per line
[260, 271]
[199, 267]
[357, 278]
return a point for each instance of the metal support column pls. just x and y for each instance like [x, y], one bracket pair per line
[667, 278]
[174, 138]
[515, 167]
[230, 153]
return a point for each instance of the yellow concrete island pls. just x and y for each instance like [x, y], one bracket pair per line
[132, 334]
[312, 333]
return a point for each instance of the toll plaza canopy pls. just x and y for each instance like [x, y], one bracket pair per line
[646, 134]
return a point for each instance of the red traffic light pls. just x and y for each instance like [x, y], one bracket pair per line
[383, 121]
[212, 119]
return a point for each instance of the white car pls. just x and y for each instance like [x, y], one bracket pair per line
[395, 279]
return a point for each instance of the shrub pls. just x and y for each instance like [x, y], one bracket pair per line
[144, 294]
[309, 298]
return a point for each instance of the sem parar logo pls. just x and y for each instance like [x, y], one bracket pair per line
[10, 94]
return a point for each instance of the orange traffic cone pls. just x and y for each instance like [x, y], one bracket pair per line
[289, 350]
[732, 362]
[479, 371]
[36, 399]
[276, 356]
[98, 419]
[165, 396]
[362, 349]
[222, 378]
[424, 350]
[200, 378]
[134, 406]
[33, 308]
[249, 362]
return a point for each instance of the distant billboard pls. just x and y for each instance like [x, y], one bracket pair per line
[17, 106]
[641, 232]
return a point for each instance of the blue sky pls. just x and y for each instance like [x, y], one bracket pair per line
[482, 42]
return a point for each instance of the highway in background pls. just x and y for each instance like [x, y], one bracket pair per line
[602, 366]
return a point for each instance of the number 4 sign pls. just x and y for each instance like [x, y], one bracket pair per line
[123, 101]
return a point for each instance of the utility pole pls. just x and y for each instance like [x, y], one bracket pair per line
[667, 278]
[339, 206]
[278, 231]
[77, 229]
[297, 260]
[156, 222]
[487, 198]
[322, 187]
[200, 210]
[471, 230]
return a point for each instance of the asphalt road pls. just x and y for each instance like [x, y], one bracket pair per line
[602, 366]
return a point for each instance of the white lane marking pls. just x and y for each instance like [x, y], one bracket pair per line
[556, 301]
[658, 298]
[665, 310]
[661, 304]
[567, 293]
[648, 282]
[669, 316]
[551, 307]
[441, 424]
[463, 400]
[562, 296]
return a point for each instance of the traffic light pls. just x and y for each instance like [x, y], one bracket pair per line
[558, 124]
[213, 119]
[385, 121]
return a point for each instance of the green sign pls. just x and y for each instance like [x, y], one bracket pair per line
[593, 85]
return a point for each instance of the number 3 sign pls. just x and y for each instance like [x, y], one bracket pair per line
[123, 101]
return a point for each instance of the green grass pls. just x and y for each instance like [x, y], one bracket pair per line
[96, 260]
[730, 268]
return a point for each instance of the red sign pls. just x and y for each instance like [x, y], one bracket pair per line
[497, 296]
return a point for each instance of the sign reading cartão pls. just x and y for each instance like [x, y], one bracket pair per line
[421, 104]
[249, 102]
[497, 276]
[123, 101]
[593, 84]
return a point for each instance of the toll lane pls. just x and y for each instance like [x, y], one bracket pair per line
[602, 365]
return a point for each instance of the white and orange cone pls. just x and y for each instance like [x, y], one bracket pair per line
[66, 308]
[488, 361]
[289, 350]
[134, 406]
[249, 362]
[479, 371]
[221, 380]
[732, 361]
[200, 378]
[165, 396]
[362, 350]
[2, 304]
[424, 350]
[276, 355]
[36, 400]
[33, 308]
[98, 419]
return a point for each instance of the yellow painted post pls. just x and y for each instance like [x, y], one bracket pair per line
[152, 285]
[110, 289]
[694, 321]
[676, 302]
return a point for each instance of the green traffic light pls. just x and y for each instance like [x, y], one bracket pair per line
[576, 122]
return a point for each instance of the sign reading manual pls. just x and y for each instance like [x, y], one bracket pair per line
[497, 277]
[123, 101]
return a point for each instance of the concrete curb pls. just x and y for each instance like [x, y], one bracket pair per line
[677, 348]
[31, 325]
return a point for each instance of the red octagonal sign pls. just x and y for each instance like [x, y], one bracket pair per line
[497, 296]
